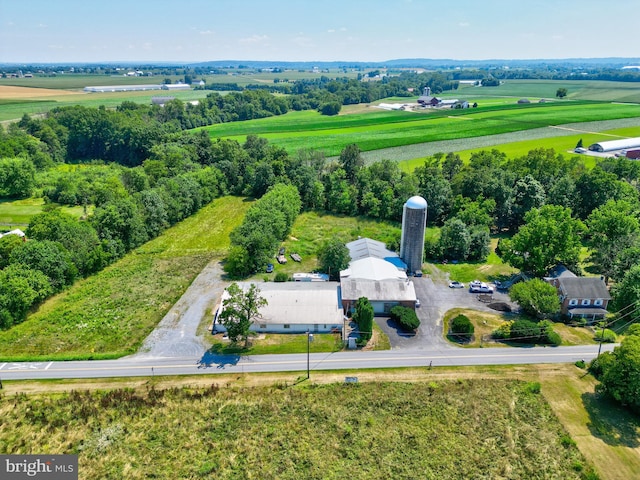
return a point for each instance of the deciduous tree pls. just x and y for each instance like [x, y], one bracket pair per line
[333, 257]
[536, 297]
[549, 236]
[240, 310]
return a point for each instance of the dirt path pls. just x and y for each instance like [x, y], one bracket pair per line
[177, 334]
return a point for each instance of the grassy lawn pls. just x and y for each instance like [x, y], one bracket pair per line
[485, 323]
[444, 429]
[312, 229]
[109, 314]
[19, 212]
[278, 343]
[493, 269]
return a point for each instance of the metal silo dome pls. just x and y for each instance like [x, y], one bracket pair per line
[416, 203]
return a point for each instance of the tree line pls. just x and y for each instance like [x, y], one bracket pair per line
[142, 172]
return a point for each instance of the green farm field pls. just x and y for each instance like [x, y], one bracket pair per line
[439, 429]
[14, 109]
[18, 213]
[333, 134]
[576, 90]
[109, 314]
[563, 144]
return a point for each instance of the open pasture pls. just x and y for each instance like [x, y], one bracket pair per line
[110, 313]
[18, 213]
[402, 130]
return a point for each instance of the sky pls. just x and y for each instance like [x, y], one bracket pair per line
[185, 31]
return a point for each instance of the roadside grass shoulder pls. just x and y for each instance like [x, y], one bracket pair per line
[109, 314]
[277, 344]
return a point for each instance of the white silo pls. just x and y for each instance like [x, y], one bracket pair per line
[414, 222]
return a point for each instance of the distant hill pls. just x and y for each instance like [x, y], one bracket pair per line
[611, 62]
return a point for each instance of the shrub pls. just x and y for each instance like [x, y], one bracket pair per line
[601, 364]
[406, 318]
[281, 277]
[525, 331]
[607, 336]
[553, 338]
[580, 364]
[503, 331]
[462, 328]
[532, 387]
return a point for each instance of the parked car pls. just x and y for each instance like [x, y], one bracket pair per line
[417, 303]
[480, 287]
[456, 284]
[418, 273]
[269, 268]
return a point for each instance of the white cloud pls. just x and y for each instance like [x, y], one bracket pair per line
[331, 30]
[464, 24]
[42, 25]
[147, 46]
[207, 32]
[254, 39]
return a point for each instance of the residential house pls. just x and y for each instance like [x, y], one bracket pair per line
[582, 297]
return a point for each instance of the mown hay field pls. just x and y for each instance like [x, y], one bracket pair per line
[110, 313]
[445, 429]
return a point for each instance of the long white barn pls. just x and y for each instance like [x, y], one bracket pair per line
[613, 145]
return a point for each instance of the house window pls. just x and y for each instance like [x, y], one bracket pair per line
[598, 302]
[286, 325]
[573, 302]
[263, 325]
[586, 301]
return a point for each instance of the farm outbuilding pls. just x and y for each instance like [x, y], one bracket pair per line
[122, 88]
[295, 307]
[613, 145]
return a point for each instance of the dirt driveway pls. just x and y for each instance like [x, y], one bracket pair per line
[177, 333]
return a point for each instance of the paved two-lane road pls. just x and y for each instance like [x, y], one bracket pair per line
[215, 364]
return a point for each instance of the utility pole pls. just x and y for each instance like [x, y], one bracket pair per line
[601, 338]
[309, 340]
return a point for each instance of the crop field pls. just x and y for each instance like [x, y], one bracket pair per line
[332, 138]
[564, 145]
[563, 142]
[576, 90]
[12, 109]
[109, 314]
[442, 429]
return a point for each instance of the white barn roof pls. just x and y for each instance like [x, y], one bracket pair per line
[372, 268]
[366, 247]
[298, 302]
[613, 145]
[378, 290]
